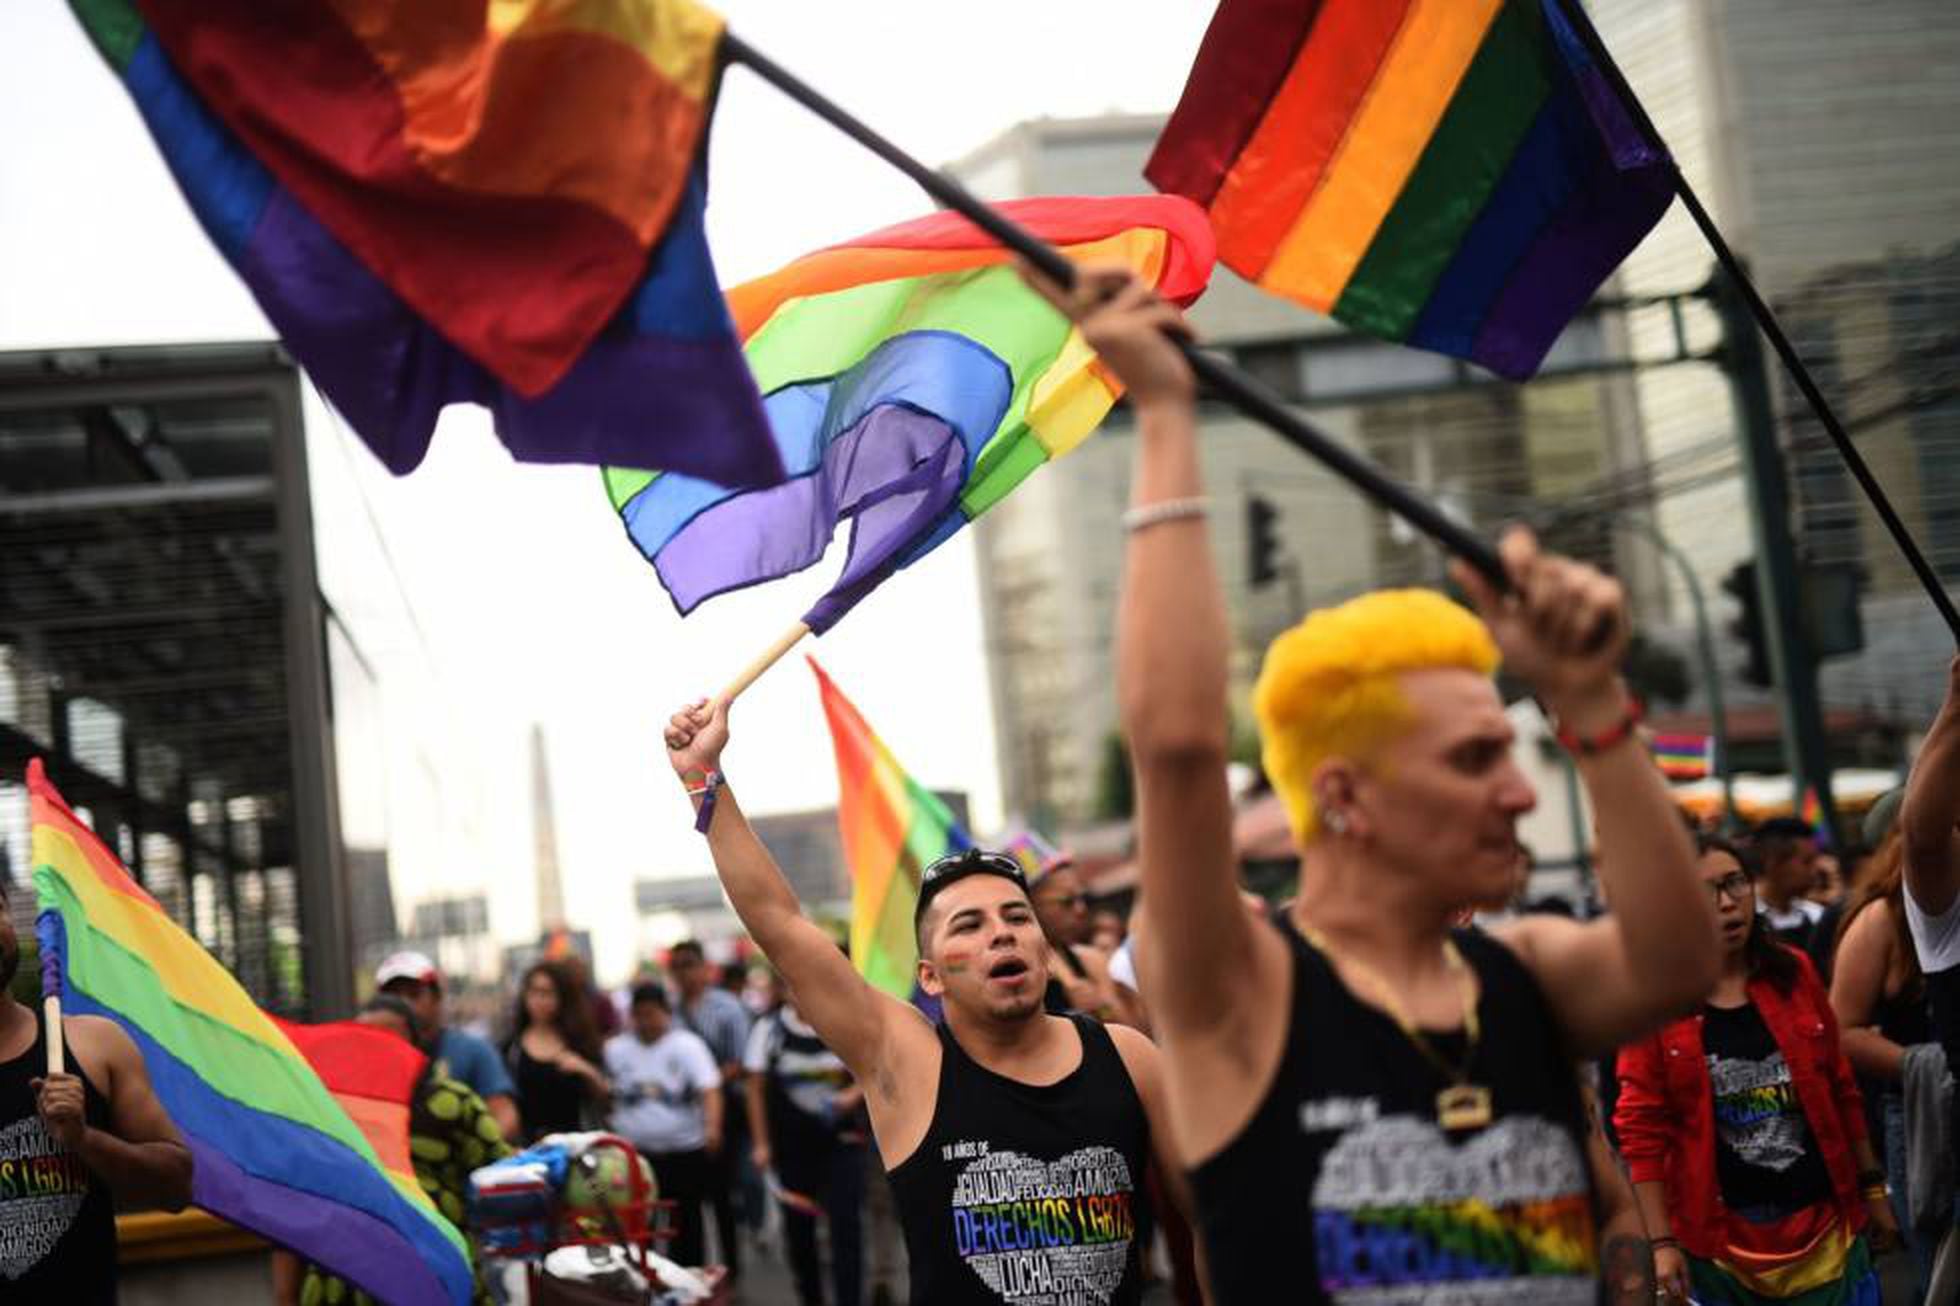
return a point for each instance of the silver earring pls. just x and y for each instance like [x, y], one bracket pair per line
[1335, 820]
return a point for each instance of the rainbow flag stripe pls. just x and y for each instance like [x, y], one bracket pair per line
[1453, 174]
[1684, 757]
[893, 828]
[274, 1152]
[912, 381]
[442, 203]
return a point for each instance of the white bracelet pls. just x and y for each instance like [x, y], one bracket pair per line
[1150, 514]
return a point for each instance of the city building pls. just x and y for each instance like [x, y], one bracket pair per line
[164, 646]
[1051, 552]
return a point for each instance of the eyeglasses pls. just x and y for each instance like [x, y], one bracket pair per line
[1734, 886]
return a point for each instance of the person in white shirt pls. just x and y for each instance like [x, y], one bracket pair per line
[667, 1102]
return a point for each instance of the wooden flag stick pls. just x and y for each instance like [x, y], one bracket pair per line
[57, 1056]
[788, 640]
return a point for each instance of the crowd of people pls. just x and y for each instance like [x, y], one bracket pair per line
[1727, 1083]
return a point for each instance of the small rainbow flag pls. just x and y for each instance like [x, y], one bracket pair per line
[1453, 174]
[893, 828]
[1034, 853]
[273, 1151]
[912, 380]
[497, 204]
[1684, 756]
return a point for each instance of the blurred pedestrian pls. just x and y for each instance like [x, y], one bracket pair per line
[554, 1053]
[668, 1101]
[1107, 930]
[1786, 849]
[413, 978]
[1078, 975]
[806, 1115]
[722, 1022]
[450, 1133]
[1879, 996]
[1744, 1131]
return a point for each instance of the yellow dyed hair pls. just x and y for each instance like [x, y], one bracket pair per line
[1329, 686]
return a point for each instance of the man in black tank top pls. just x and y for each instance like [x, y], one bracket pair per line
[1015, 1140]
[70, 1145]
[1376, 1108]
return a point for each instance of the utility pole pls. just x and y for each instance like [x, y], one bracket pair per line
[1793, 667]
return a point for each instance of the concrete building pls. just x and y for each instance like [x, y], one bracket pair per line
[1051, 552]
[1825, 138]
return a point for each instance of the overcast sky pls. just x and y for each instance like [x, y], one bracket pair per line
[530, 604]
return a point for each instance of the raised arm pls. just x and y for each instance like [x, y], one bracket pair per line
[1172, 649]
[850, 1016]
[1932, 806]
[1563, 630]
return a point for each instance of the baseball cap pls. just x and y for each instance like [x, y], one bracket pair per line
[407, 966]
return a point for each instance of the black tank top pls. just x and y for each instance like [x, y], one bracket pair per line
[1343, 1188]
[1027, 1193]
[57, 1219]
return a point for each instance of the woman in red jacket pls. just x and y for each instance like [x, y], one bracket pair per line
[1744, 1133]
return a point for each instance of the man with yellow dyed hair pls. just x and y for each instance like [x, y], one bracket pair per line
[1373, 1104]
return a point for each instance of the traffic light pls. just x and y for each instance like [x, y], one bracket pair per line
[1748, 626]
[1262, 541]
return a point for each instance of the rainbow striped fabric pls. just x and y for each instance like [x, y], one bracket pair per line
[1454, 174]
[912, 380]
[1684, 756]
[465, 203]
[893, 828]
[274, 1152]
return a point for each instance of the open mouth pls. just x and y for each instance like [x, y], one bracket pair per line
[1007, 969]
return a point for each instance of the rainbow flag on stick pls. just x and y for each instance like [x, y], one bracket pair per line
[1684, 757]
[497, 204]
[274, 1151]
[912, 380]
[1453, 174]
[893, 828]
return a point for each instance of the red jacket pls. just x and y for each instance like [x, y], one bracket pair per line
[1666, 1111]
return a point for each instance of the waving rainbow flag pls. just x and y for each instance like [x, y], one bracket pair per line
[893, 828]
[1684, 757]
[1455, 174]
[465, 203]
[912, 380]
[274, 1152]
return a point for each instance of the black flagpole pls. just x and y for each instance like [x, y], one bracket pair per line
[1222, 379]
[1793, 363]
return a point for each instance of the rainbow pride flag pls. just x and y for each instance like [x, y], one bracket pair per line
[465, 203]
[1683, 756]
[372, 1074]
[893, 828]
[1453, 174]
[912, 380]
[274, 1152]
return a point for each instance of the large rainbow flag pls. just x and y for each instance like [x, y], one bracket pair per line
[465, 203]
[274, 1152]
[893, 828]
[912, 380]
[1455, 174]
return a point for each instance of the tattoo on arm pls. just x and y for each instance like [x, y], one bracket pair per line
[1627, 1271]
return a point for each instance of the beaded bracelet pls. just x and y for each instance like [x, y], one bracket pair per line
[1150, 514]
[1611, 737]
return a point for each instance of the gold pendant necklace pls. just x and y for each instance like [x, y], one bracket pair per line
[1461, 1104]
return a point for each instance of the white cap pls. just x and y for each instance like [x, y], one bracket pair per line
[409, 966]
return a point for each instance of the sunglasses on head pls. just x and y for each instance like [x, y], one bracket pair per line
[971, 861]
